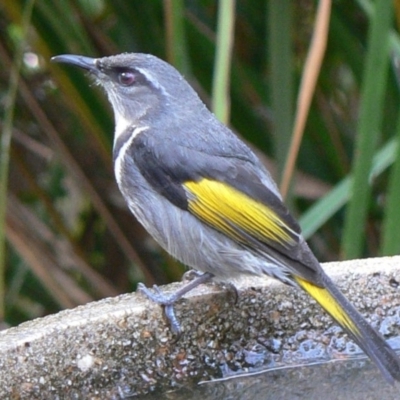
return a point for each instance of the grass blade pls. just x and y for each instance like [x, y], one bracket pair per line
[225, 34]
[371, 111]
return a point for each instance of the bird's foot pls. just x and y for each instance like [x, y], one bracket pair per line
[168, 301]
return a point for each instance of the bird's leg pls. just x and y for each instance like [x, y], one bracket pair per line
[168, 301]
[193, 273]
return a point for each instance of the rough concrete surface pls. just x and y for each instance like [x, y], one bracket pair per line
[121, 347]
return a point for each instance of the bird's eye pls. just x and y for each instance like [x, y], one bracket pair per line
[126, 78]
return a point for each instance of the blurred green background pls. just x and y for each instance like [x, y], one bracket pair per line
[66, 236]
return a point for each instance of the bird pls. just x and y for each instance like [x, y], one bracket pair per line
[205, 197]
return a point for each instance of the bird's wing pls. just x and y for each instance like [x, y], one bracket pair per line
[228, 194]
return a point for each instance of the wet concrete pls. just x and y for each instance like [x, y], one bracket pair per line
[122, 347]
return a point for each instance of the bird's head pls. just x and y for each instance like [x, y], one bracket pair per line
[139, 86]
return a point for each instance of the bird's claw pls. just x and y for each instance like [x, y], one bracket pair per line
[168, 302]
[158, 297]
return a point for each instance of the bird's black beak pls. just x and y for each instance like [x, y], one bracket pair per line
[87, 63]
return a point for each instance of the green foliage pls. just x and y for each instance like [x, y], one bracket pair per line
[70, 238]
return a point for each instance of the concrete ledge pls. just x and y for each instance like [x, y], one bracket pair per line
[121, 346]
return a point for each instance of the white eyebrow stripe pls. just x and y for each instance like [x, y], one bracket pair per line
[152, 80]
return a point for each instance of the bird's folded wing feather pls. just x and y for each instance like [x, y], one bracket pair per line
[228, 194]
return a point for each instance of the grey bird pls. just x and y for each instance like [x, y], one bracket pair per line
[205, 197]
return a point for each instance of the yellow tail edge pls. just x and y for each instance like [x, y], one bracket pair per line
[339, 308]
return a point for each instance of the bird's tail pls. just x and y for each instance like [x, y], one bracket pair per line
[373, 344]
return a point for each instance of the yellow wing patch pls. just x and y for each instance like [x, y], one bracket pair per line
[225, 208]
[330, 304]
